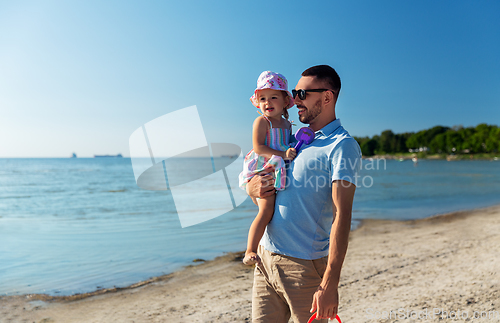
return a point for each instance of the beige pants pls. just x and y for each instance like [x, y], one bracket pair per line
[283, 287]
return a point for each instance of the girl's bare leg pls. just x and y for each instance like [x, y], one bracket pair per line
[266, 211]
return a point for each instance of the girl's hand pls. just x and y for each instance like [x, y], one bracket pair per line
[290, 154]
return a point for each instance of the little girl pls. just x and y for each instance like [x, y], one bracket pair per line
[270, 138]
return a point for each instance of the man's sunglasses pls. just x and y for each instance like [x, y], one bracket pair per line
[302, 93]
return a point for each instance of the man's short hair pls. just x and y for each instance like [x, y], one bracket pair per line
[326, 74]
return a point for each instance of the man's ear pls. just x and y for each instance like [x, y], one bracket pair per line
[329, 97]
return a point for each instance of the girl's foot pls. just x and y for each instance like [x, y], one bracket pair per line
[251, 258]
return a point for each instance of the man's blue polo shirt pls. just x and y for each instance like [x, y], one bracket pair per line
[303, 212]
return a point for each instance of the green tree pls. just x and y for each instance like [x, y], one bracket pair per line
[439, 139]
[438, 144]
[387, 141]
[495, 139]
[466, 137]
[480, 137]
[490, 137]
[400, 142]
[369, 147]
[453, 141]
[416, 140]
[361, 140]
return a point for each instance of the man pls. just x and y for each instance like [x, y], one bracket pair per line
[304, 246]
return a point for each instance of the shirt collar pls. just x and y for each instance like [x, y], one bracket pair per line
[329, 128]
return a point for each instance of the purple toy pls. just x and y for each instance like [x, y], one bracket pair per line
[305, 135]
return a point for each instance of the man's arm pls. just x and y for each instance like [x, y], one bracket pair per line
[326, 298]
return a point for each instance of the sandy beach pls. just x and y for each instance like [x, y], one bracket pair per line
[439, 269]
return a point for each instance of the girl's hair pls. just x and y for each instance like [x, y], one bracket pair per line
[285, 110]
[285, 113]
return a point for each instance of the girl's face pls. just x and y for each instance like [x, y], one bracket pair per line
[272, 102]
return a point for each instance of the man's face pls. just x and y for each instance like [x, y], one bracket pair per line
[309, 108]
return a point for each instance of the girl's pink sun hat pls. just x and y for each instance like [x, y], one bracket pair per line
[273, 81]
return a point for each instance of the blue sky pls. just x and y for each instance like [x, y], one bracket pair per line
[81, 76]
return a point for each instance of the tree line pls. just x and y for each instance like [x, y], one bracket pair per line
[483, 138]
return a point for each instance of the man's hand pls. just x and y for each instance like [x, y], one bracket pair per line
[325, 302]
[261, 185]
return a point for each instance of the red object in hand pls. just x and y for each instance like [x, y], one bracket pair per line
[314, 316]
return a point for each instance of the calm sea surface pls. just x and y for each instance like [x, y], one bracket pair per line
[76, 225]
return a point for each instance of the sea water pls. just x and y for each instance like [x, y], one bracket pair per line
[77, 225]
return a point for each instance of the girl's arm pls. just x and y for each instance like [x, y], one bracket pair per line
[260, 127]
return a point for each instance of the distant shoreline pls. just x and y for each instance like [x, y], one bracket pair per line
[405, 156]
[424, 156]
[113, 157]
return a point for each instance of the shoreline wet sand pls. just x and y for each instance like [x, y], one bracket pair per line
[409, 271]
